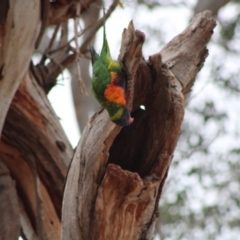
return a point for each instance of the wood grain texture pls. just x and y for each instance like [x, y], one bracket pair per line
[99, 135]
[37, 153]
[117, 174]
[17, 39]
[186, 53]
[9, 207]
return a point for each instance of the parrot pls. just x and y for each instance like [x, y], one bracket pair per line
[108, 84]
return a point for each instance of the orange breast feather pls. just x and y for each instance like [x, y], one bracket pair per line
[115, 94]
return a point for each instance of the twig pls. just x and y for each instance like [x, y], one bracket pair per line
[80, 79]
[92, 29]
[98, 25]
[50, 44]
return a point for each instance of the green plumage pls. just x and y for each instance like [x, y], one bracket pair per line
[108, 73]
[105, 55]
[100, 79]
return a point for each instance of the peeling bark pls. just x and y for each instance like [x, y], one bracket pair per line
[117, 174]
[34, 151]
[37, 153]
[17, 40]
[9, 207]
[182, 62]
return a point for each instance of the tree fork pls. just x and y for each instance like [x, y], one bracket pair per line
[117, 174]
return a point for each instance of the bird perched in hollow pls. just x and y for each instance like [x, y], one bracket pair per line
[108, 84]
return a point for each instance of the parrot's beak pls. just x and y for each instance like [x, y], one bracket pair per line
[131, 120]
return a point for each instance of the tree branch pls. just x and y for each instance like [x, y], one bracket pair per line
[17, 39]
[9, 207]
[62, 10]
[117, 175]
[182, 62]
[37, 153]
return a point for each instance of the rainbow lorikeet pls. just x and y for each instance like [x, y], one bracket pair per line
[108, 84]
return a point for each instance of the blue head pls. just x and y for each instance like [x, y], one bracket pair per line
[125, 118]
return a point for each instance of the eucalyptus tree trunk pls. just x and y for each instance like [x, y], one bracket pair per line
[117, 174]
[34, 150]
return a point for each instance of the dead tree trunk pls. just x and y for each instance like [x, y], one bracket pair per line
[17, 39]
[117, 174]
[34, 150]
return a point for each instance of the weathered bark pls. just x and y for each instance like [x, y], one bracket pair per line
[34, 151]
[117, 174]
[64, 54]
[9, 207]
[17, 40]
[37, 153]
